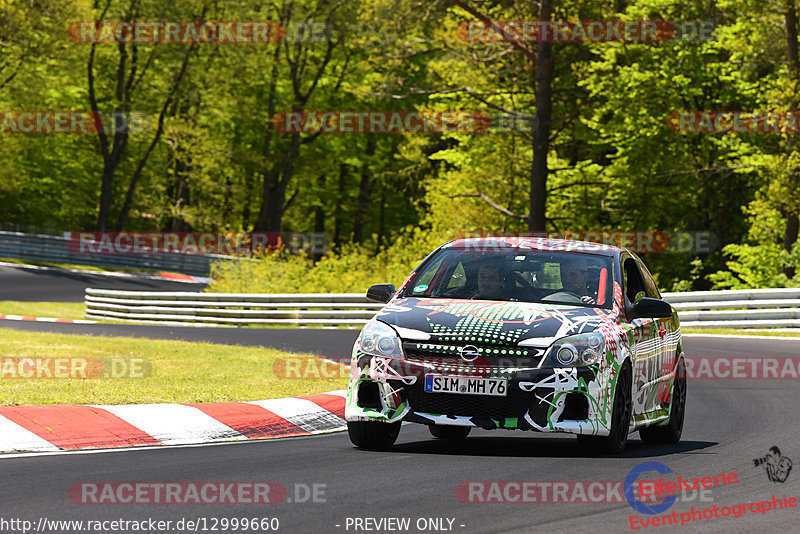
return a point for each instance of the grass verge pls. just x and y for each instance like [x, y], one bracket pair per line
[180, 371]
[59, 310]
[77, 310]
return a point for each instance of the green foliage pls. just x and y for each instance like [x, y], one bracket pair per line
[385, 200]
[352, 270]
[760, 262]
[758, 266]
[694, 276]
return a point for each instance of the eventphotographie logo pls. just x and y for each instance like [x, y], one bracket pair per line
[777, 466]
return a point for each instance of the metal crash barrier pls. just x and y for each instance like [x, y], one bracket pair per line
[747, 308]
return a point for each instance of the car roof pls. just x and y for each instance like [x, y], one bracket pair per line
[544, 244]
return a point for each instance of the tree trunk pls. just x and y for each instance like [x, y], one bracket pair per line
[277, 194]
[106, 187]
[111, 149]
[178, 190]
[319, 212]
[364, 192]
[791, 229]
[381, 221]
[262, 223]
[338, 216]
[541, 133]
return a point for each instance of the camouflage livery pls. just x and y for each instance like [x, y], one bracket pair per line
[515, 341]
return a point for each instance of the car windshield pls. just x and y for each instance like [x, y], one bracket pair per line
[528, 276]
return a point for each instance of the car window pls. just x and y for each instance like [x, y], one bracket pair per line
[650, 284]
[458, 278]
[529, 276]
[634, 283]
[422, 282]
[550, 276]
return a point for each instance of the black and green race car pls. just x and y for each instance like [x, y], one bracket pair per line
[521, 333]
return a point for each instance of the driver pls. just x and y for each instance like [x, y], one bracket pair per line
[574, 273]
[490, 282]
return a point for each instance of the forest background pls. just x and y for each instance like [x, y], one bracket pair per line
[590, 147]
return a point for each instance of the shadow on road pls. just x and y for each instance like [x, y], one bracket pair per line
[502, 446]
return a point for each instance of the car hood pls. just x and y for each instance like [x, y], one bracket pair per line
[485, 321]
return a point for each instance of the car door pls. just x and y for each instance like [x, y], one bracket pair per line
[667, 337]
[646, 345]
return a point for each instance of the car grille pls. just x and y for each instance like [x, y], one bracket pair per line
[492, 361]
[515, 404]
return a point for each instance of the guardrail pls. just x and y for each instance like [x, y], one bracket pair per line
[236, 309]
[751, 308]
[738, 308]
[54, 249]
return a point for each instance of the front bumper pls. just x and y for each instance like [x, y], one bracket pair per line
[572, 400]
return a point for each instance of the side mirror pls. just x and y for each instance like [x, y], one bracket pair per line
[381, 292]
[650, 308]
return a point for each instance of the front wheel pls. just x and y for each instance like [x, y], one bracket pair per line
[449, 432]
[373, 435]
[617, 437]
[671, 432]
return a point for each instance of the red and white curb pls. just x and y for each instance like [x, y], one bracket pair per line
[44, 319]
[179, 277]
[74, 427]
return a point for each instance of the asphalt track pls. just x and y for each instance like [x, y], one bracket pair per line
[728, 424]
[51, 285]
[331, 343]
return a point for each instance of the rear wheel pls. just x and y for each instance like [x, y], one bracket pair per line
[617, 438]
[671, 432]
[373, 435]
[449, 432]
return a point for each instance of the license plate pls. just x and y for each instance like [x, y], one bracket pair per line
[466, 385]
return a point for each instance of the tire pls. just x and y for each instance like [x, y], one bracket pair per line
[373, 435]
[671, 432]
[617, 438]
[449, 432]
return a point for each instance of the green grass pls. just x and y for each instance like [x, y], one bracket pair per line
[76, 310]
[59, 310]
[180, 372]
[739, 332]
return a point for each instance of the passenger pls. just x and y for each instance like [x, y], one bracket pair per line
[574, 274]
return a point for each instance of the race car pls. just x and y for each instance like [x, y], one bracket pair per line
[520, 333]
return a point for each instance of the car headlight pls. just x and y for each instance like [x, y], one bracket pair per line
[576, 351]
[379, 339]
